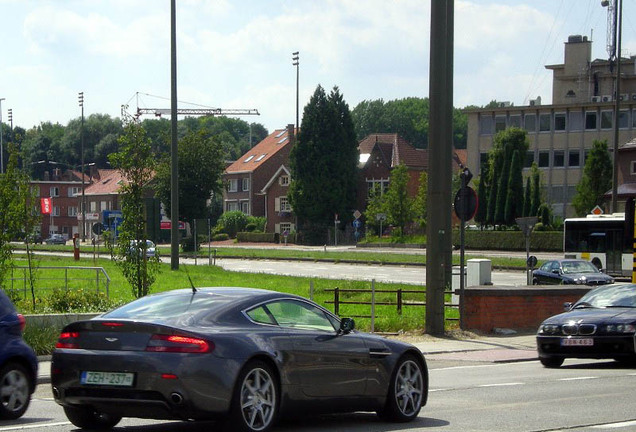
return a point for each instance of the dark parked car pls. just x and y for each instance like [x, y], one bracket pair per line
[602, 324]
[55, 239]
[244, 356]
[18, 363]
[570, 271]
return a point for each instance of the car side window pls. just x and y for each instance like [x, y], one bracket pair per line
[261, 315]
[297, 314]
[546, 267]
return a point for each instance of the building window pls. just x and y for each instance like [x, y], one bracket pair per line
[606, 119]
[559, 122]
[575, 120]
[54, 192]
[544, 122]
[375, 186]
[55, 211]
[557, 193]
[485, 125]
[231, 206]
[634, 119]
[283, 180]
[544, 159]
[232, 185]
[72, 211]
[574, 158]
[559, 158]
[591, 120]
[515, 120]
[73, 191]
[246, 184]
[500, 123]
[284, 204]
[529, 159]
[285, 227]
[93, 207]
[530, 122]
[245, 207]
[632, 167]
[623, 119]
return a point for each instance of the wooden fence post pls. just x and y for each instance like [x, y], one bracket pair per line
[336, 301]
[399, 301]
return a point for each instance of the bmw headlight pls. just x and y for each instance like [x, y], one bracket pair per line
[620, 328]
[549, 329]
[580, 281]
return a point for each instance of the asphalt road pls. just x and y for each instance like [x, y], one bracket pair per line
[464, 396]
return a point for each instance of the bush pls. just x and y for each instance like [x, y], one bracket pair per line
[220, 237]
[256, 237]
[250, 227]
[41, 339]
[511, 240]
[78, 300]
[258, 222]
[233, 222]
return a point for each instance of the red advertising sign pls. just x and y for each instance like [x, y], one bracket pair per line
[46, 204]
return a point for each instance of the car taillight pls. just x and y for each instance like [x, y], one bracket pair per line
[68, 340]
[178, 344]
[22, 322]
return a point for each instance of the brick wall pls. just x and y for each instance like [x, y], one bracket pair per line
[518, 308]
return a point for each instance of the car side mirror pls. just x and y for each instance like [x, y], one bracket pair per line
[567, 306]
[555, 271]
[347, 325]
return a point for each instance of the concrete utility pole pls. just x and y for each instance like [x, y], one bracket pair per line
[438, 244]
[1, 147]
[296, 62]
[174, 155]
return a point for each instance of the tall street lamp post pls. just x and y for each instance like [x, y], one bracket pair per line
[296, 62]
[1, 148]
[10, 112]
[83, 204]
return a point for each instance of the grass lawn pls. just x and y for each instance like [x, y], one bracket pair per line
[412, 318]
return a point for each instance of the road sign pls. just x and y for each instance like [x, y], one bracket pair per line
[357, 214]
[380, 217]
[466, 203]
[98, 228]
[357, 223]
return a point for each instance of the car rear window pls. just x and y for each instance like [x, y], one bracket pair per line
[167, 307]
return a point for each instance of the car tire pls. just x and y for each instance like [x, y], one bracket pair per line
[255, 401]
[406, 391]
[15, 391]
[535, 281]
[551, 362]
[87, 418]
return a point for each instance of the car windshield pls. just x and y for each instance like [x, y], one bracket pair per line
[578, 267]
[609, 296]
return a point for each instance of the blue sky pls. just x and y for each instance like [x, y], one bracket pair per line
[238, 53]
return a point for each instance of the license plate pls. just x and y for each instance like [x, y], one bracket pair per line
[107, 378]
[577, 342]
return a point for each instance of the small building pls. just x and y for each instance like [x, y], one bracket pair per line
[278, 211]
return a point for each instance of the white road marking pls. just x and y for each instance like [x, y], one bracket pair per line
[502, 384]
[615, 425]
[33, 426]
[578, 378]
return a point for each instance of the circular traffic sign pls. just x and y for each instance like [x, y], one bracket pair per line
[465, 203]
[98, 228]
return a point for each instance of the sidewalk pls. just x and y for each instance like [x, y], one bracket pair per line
[490, 348]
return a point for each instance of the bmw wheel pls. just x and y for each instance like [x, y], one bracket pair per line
[15, 391]
[255, 400]
[551, 362]
[88, 418]
[406, 391]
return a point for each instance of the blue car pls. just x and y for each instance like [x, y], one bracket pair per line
[18, 363]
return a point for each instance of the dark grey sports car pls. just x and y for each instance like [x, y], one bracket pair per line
[244, 356]
[602, 324]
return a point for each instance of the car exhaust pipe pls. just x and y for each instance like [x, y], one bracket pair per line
[176, 398]
[56, 393]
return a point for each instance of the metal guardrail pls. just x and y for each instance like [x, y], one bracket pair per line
[100, 278]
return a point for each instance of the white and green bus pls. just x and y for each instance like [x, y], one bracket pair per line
[606, 240]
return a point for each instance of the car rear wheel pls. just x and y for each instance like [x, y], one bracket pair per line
[406, 391]
[15, 391]
[551, 362]
[88, 418]
[255, 399]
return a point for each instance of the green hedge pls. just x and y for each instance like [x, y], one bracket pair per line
[257, 237]
[511, 240]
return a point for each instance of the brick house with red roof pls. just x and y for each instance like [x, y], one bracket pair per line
[278, 211]
[246, 178]
[380, 153]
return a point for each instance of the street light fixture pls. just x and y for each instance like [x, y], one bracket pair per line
[10, 111]
[296, 62]
[83, 204]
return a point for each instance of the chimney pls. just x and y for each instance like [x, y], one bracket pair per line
[290, 132]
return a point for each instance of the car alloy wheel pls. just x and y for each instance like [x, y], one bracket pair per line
[256, 398]
[15, 391]
[406, 391]
[551, 362]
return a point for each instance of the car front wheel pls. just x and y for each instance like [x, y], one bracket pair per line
[551, 362]
[87, 418]
[406, 391]
[255, 399]
[15, 391]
